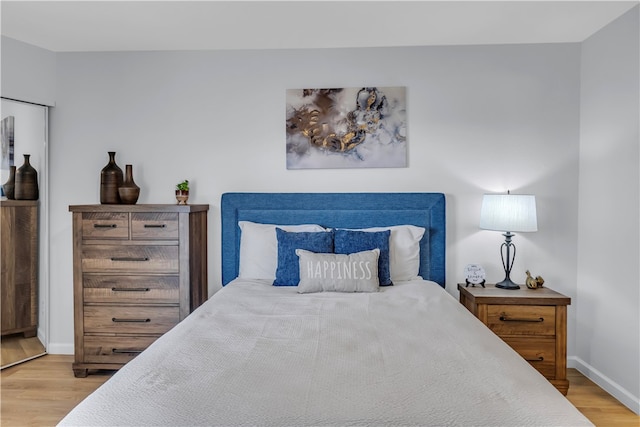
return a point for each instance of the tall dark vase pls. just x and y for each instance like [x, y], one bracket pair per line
[110, 181]
[9, 186]
[26, 181]
[129, 191]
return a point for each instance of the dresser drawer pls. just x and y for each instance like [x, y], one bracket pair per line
[118, 289]
[154, 225]
[101, 349]
[130, 259]
[540, 352]
[129, 319]
[522, 319]
[105, 225]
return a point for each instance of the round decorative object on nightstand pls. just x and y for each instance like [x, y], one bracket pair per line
[474, 275]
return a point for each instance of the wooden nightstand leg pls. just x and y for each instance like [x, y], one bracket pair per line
[561, 381]
[561, 385]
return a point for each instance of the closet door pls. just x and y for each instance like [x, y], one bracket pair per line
[25, 131]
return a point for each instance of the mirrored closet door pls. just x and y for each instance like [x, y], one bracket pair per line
[25, 287]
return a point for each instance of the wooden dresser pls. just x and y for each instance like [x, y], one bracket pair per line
[138, 270]
[19, 252]
[532, 321]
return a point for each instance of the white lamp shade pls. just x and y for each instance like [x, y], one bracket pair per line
[509, 212]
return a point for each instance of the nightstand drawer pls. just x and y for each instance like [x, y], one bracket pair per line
[100, 349]
[131, 289]
[130, 319]
[522, 319]
[154, 225]
[105, 225]
[540, 352]
[130, 259]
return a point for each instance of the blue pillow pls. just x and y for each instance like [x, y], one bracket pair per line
[288, 270]
[351, 241]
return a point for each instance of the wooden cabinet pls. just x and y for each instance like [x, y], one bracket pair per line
[138, 270]
[19, 253]
[532, 321]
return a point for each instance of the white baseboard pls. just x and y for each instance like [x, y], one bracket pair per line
[42, 338]
[60, 348]
[614, 389]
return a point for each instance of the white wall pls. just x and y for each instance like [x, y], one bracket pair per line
[480, 119]
[608, 310]
[27, 72]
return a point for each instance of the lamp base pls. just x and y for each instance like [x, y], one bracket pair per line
[507, 284]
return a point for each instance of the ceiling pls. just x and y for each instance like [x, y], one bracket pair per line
[73, 26]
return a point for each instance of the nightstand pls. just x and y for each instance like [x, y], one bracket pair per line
[532, 321]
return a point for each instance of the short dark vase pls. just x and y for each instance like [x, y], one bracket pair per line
[129, 191]
[110, 181]
[26, 181]
[9, 186]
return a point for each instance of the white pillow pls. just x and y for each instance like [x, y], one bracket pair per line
[356, 272]
[404, 250]
[259, 248]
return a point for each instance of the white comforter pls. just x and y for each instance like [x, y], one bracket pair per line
[255, 354]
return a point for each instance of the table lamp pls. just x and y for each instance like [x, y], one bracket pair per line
[508, 213]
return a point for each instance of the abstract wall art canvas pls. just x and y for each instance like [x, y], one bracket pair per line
[364, 127]
[6, 135]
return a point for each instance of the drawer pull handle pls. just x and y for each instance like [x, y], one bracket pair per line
[129, 259]
[520, 319]
[116, 320]
[125, 351]
[130, 289]
[105, 225]
[154, 226]
[537, 359]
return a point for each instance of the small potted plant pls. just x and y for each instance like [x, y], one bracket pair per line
[182, 192]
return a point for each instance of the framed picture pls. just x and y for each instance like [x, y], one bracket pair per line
[6, 135]
[362, 127]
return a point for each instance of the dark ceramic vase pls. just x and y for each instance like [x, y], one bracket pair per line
[9, 186]
[110, 181]
[129, 191]
[26, 181]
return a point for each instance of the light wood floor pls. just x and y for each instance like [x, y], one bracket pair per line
[42, 391]
[598, 405]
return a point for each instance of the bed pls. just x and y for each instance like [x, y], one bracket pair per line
[333, 350]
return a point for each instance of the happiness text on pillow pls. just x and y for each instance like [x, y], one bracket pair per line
[339, 270]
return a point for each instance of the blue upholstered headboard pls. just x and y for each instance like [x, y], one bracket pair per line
[338, 210]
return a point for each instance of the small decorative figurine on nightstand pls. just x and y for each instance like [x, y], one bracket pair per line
[534, 283]
[474, 275]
